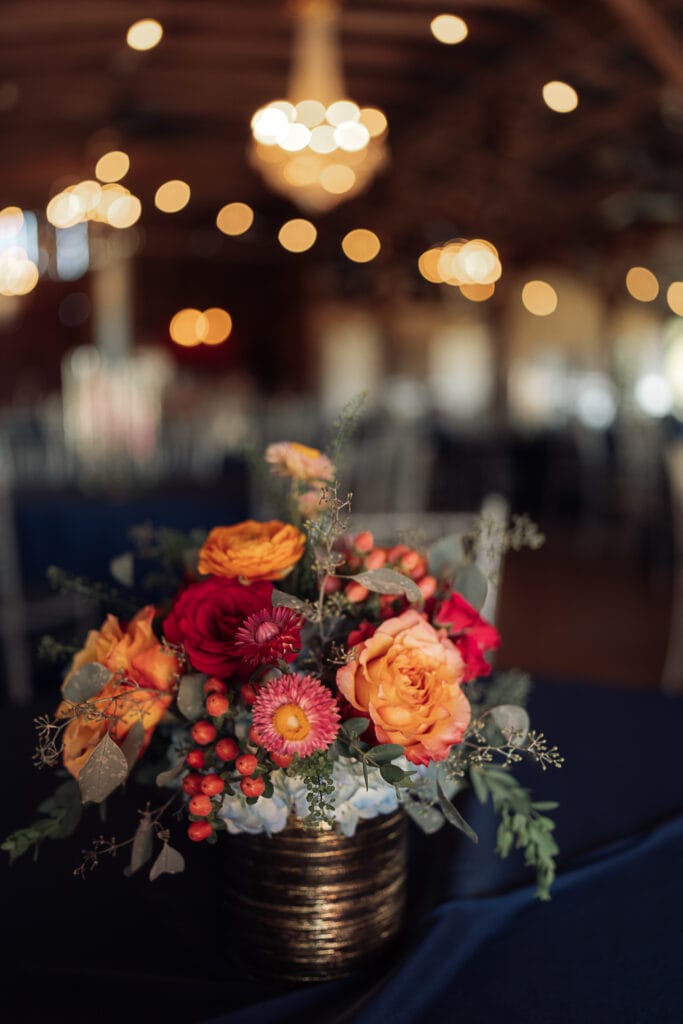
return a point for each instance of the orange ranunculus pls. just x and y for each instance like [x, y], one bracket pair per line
[140, 690]
[299, 462]
[406, 679]
[252, 550]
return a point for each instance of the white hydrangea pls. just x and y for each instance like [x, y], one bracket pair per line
[353, 802]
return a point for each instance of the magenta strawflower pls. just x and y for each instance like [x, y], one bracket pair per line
[268, 635]
[295, 714]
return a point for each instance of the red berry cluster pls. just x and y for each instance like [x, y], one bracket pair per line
[363, 554]
[217, 759]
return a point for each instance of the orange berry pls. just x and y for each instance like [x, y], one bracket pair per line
[195, 759]
[427, 586]
[397, 552]
[227, 749]
[192, 783]
[254, 737]
[199, 830]
[376, 559]
[364, 541]
[203, 732]
[253, 787]
[214, 685]
[332, 584]
[201, 805]
[217, 704]
[212, 784]
[355, 592]
[246, 763]
[282, 760]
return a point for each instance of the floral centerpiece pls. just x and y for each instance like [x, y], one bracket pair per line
[293, 674]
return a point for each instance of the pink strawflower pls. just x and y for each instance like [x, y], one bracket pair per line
[299, 462]
[268, 635]
[295, 714]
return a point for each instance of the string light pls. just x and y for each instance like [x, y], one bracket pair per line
[471, 265]
[674, 297]
[449, 29]
[539, 298]
[235, 218]
[192, 327]
[112, 166]
[172, 196]
[144, 34]
[642, 284]
[361, 245]
[560, 97]
[297, 235]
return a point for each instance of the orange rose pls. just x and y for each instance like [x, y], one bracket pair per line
[406, 679]
[140, 690]
[252, 550]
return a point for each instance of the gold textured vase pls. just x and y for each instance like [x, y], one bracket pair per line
[311, 906]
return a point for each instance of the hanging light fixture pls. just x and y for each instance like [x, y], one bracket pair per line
[317, 147]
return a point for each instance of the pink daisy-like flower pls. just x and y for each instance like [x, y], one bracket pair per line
[268, 635]
[296, 714]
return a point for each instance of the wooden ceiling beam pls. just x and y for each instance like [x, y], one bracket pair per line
[655, 39]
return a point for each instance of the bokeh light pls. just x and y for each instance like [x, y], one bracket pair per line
[172, 196]
[428, 265]
[112, 166]
[11, 222]
[361, 245]
[184, 327]
[297, 235]
[215, 327]
[560, 97]
[642, 284]
[674, 297]
[235, 218]
[449, 29]
[124, 212]
[192, 327]
[477, 292]
[144, 34]
[539, 297]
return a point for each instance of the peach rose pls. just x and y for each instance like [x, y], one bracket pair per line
[288, 458]
[141, 689]
[406, 679]
[252, 550]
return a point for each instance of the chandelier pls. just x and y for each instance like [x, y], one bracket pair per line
[316, 147]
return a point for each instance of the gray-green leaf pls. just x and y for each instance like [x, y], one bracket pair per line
[387, 581]
[105, 769]
[169, 862]
[354, 727]
[86, 682]
[132, 743]
[385, 752]
[142, 845]
[170, 775]
[446, 555]
[428, 818]
[191, 696]
[122, 568]
[478, 780]
[471, 583]
[279, 599]
[513, 721]
[453, 815]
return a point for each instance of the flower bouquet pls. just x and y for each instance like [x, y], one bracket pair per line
[295, 692]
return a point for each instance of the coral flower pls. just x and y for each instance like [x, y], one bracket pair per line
[268, 635]
[296, 714]
[251, 550]
[298, 461]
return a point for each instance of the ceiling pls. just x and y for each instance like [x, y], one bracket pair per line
[474, 151]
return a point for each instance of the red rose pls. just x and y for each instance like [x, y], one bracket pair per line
[471, 634]
[206, 616]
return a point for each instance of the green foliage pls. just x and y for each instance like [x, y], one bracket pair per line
[316, 773]
[52, 650]
[62, 814]
[511, 687]
[522, 825]
[343, 429]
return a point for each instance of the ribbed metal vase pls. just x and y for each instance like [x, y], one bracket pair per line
[311, 906]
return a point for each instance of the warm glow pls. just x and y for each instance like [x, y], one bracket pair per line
[642, 284]
[674, 297]
[374, 120]
[112, 166]
[322, 139]
[297, 235]
[293, 137]
[184, 327]
[428, 265]
[477, 263]
[267, 122]
[172, 196]
[361, 245]
[144, 34]
[11, 221]
[560, 97]
[337, 179]
[124, 211]
[63, 210]
[539, 297]
[341, 111]
[18, 274]
[449, 29]
[477, 292]
[214, 326]
[235, 219]
[88, 195]
[351, 136]
[310, 113]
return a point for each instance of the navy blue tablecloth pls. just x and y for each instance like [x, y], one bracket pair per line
[477, 946]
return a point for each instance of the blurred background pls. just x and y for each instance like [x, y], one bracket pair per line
[220, 222]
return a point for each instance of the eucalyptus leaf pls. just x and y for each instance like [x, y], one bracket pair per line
[132, 744]
[453, 815]
[354, 727]
[428, 818]
[170, 775]
[545, 805]
[393, 774]
[122, 568]
[169, 862]
[105, 769]
[279, 599]
[513, 721]
[446, 556]
[385, 752]
[478, 780]
[471, 584]
[191, 696]
[387, 581]
[143, 843]
[86, 682]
